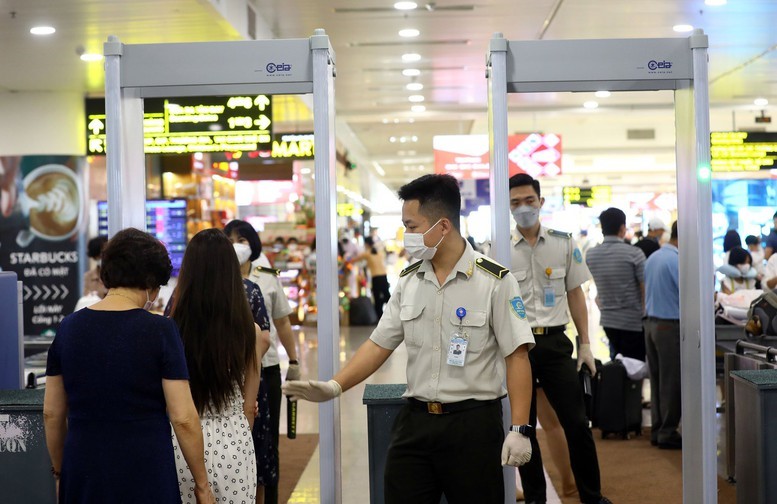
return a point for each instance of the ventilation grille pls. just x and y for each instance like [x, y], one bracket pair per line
[641, 134]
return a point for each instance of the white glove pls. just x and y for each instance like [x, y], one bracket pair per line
[584, 356]
[312, 390]
[516, 450]
[293, 373]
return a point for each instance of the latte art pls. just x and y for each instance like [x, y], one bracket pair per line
[54, 204]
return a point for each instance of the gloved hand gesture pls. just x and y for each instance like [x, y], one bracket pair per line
[293, 373]
[516, 449]
[584, 356]
[312, 390]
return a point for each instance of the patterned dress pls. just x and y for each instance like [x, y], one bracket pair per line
[229, 456]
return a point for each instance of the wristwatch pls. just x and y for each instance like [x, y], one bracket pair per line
[526, 430]
[293, 361]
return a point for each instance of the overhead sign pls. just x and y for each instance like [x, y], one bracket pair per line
[293, 145]
[740, 151]
[196, 124]
[467, 156]
[588, 196]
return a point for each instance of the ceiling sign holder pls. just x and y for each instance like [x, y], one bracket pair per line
[677, 64]
[291, 66]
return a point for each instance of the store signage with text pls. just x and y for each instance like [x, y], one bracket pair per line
[293, 145]
[195, 124]
[740, 151]
[467, 156]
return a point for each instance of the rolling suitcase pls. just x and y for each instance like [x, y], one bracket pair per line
[362, 312]
[618, 401]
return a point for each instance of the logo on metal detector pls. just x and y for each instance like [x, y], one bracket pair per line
[662, 65]
[277, 67]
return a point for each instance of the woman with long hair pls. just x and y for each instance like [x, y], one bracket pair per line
[223, 349]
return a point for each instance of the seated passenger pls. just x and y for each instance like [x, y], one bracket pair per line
[739, 273]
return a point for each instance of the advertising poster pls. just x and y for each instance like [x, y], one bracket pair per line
[41, 219]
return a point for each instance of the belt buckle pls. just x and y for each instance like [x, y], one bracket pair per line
[539, 330]
[434, 408]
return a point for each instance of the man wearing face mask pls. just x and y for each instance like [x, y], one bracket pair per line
[549, 268]
[448, 439]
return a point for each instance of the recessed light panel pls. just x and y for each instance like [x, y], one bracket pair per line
[405, 5]
[682, 28]
[411, 72]
[416, 98]
[409, 32]
[42, 30]
[410, 57]
[414, 86]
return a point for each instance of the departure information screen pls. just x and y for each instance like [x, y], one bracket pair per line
[165, 219]
[588, 196]
[741, 151]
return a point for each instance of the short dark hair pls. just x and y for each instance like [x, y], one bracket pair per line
[611, 220]
[752, 240]
[673, 234]
[438, 196]
[731, 240]
[247, 231]
[94, 248]
[135, 260]
[774, 216]
[524, 179]
[738, 255]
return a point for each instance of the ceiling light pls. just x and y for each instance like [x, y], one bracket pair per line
[602, 94]
[715, 3]
[416, 98]
[682, 28]
[405, 5]
[409, 32]
[418, 108]
[761, 102]
[91, 57]
[392, 139]
[414, 138]
[385, 121]
[410, 57]
[396, 121]
[411, 72]
[402, 139]
[411, 120]
[414, 86]
[42, 30]
[590, 105]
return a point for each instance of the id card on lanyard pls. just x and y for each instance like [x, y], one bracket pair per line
[549, 294]
[457, 349]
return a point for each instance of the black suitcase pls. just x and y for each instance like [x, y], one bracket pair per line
[618, 401]
[362, 312]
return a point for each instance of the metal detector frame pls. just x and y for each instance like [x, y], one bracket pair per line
[138, 71]
[678, 64]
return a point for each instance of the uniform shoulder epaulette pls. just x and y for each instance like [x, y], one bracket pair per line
[410, 269]
[491, 267]
[560, 234]
[271, 271]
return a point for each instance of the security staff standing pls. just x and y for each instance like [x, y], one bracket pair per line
[448, 439]
[550, 270]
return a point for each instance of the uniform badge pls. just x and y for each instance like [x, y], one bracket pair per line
[578, 256]
[517, 305]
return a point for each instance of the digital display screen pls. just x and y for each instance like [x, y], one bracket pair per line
[588, 196]
[194, 124]
[741, 151]
[165, 219]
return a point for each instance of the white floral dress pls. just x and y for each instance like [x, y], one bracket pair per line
[229, 457]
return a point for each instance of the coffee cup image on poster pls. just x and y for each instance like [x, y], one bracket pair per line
[41, 220]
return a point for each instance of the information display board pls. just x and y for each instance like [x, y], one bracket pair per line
[742, 151]
[194, 124]
[587, 196]
[165, 219]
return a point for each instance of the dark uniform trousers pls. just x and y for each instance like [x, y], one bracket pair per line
[456, 454]
[555, 371]
[272, 378]
[627, 343]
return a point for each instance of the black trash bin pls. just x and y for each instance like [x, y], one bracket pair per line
[25, 467]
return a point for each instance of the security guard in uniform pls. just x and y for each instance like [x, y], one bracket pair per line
[448, 438]
[550, 270]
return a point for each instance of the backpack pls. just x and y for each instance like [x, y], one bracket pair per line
[762, 316]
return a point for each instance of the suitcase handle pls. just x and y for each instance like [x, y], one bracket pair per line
[771, 352]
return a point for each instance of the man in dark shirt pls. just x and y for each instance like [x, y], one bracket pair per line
[650, 243]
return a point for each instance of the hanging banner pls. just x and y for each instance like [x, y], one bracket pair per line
[41, 219]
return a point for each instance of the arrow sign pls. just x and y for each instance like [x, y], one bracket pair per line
[96, 126]
[56, 292]
[27, 293]
[48, 292]
[38, 292]
[65, 292]
[263, 122]
[261, 102]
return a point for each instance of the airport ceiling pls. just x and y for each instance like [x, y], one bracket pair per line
[372, 95]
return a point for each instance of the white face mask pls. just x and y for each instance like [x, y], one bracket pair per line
[744, 268]
[149, 302]
[243, 252]
[415, 246]
[526, 216]
[292, 247]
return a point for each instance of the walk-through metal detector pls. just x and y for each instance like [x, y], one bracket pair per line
[291, 66]
[678, 64]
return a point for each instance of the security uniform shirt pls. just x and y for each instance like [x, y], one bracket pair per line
[422, 313]
[277, 306]
[554, 263]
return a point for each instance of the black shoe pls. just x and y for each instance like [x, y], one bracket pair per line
[672, 444]
[605, 500]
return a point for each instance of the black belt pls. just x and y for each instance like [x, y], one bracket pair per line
[656, 319]
[548, 330]
[438, 408]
